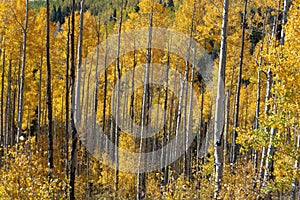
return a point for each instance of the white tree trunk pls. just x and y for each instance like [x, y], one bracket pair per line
[220, 104]
[21, 86]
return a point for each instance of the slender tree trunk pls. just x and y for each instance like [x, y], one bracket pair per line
[226, 122]
[141, 181]
[8, 107]
[113, 110]
[178, 119]
[2, 139]
[257, 109]
[76, 110]
[164, 139]
[219, 113]
[105, 83]
[117, 104]
[90, 184]
[175, 121]
[267, 108]
[17, 69]
[267, 98]
[269, 168]
[207, 133]
[269, 160]
[67, 101]
[73, 128]
[188, 164]
[2, 131]
[132, 102]
[49, 98]
[39, 99]
[227, 118]
[284, 20]
[295, 183]
[22, 80]
[235, 148]
[188, 123]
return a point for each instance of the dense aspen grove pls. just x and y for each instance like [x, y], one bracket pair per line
[68, 71]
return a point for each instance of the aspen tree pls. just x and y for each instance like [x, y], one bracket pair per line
[22, 78]
[219, 113]
[49, 96]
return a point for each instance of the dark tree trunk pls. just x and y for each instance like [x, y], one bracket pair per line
[118, 70]
[67, 106]
[49, 96]
[73, 128]
[141, 181]
[2, 110]
[235, 148]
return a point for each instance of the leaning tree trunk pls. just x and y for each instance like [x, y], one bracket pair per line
[22, 78]
[219, 113]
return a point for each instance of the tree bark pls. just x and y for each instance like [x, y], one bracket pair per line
[295, 183]
[2, 138]
[267, 108]
[105, 84]
[219, 113]
[73, 158]
[284, 20]
[39, 99]
[257, 108]
[188, 122]
[22, 78]
[269, 167]
[67, 101]
[269, 160]
[267, 105]
[8, 107]
[141, 180]
[49, 96]
[2, 110]
[235, 148]
[116, 131]
[165, 127]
